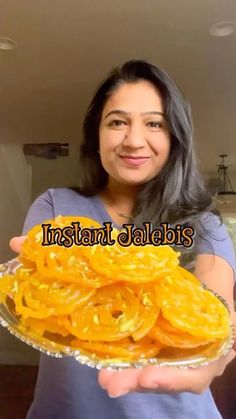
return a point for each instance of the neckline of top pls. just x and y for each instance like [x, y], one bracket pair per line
[103, 212]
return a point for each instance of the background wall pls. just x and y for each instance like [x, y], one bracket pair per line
[15, 194]
[21, 181]
[15, 197]
[54, 173]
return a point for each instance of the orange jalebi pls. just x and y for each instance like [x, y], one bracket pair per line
[169, 335]
[124, 348]
[133, 264]
[192, 309]
[112, 301]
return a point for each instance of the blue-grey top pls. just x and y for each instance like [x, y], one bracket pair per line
[67, 390]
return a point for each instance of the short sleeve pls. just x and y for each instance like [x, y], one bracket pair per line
[215, 239]
[40, 211]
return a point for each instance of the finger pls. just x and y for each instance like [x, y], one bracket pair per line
[104, 377]
[16, 243]
[225, 361]
[172, 380]
[120, 382]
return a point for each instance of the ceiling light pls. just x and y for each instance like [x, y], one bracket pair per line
[7, 44]
[223, 28]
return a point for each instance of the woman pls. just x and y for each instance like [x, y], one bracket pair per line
[138, 165]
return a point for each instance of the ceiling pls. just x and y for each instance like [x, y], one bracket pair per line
[65, 47]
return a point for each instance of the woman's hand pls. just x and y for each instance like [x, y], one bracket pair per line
[162, 379]
[16, 243]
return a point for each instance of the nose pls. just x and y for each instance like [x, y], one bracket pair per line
[134, 137]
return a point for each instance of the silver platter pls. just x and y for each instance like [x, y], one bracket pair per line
[59, 347]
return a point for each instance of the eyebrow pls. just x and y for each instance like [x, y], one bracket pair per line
[120, 112]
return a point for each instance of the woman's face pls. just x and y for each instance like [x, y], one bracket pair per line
[134, 141]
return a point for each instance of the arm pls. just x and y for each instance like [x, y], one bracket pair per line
[216, 264]
[217, 275]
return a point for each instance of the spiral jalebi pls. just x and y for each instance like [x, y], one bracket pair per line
[112, 301]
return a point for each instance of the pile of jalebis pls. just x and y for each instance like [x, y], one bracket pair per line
[112, 301]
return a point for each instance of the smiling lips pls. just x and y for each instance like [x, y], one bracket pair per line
[134, 161]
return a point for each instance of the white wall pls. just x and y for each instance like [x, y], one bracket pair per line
[225, 203]
[20, 184]
[15, 186]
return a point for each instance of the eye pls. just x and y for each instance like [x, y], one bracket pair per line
[117, 123]
[155, 124]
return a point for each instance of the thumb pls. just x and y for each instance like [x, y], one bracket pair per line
[16, 243]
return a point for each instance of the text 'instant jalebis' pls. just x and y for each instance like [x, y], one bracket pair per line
[76, 235]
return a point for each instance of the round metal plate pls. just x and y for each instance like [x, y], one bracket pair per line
[57, 346]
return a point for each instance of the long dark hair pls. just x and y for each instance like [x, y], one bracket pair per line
[175, 195]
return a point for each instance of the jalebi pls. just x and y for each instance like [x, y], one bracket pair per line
[112, 301]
